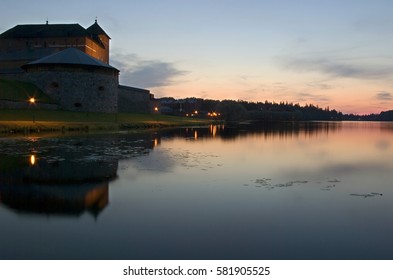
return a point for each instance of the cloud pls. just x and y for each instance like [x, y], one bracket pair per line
[321, 86]
[308, 97]
[384, 96]
[338, 169]
[137, 72]
[153, 74]
[337, 68]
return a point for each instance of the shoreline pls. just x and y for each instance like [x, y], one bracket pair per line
[27, 122]
[42, 128]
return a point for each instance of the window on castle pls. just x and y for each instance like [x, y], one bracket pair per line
[101, 88]
[77, 105]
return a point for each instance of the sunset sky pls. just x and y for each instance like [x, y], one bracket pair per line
[331, 53]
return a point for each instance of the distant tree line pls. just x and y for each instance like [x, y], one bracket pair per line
[383, 116]
[231, 110]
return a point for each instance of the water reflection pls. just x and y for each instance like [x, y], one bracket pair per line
[71, 175]
[66, 176]
[268, 130]
[271, 191]
[32, 159]
[71, 200]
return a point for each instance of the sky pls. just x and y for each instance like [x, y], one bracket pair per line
[336, 53]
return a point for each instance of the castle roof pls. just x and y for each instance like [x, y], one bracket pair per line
[45, 30]
[54, 31]
[70, 57]
[95, 29]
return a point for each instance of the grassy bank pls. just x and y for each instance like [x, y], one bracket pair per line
[34, 121]
[21, 91]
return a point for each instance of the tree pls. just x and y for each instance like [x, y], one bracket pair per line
[231, 110]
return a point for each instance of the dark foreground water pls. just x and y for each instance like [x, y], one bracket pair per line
[289, 191]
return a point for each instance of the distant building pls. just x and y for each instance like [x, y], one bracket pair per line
[25, 43]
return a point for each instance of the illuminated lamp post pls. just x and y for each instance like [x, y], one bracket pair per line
[32, 102]
[156, 113]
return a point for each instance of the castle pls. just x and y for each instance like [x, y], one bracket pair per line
[71, 65]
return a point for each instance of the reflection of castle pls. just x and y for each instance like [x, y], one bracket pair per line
[57, 188]
[71, 170]
[65, 176]
[56, 199]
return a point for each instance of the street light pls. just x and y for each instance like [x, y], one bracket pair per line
[156, 113]
[32, 102]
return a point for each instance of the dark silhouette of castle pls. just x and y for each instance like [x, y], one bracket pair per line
[70, 64]
[26, 43]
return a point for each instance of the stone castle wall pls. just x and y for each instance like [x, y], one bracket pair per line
[78, 90]
[11, 104]
[95, 92]
[134, 100]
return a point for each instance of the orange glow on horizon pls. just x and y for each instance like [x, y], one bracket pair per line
[347, 97]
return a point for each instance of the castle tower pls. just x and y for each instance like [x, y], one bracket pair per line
[76, 81]
[99, 35]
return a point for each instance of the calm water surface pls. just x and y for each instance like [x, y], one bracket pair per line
[289, 191]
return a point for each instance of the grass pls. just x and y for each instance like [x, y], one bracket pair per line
[21, 121]
[34, 120]
[21, 91]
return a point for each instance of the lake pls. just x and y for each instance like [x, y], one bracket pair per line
[316, 190]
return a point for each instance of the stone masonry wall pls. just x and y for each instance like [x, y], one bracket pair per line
[134, 100]
[78, 90]
[10, 104]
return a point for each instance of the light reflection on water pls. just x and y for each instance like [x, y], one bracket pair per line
[277, 191]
